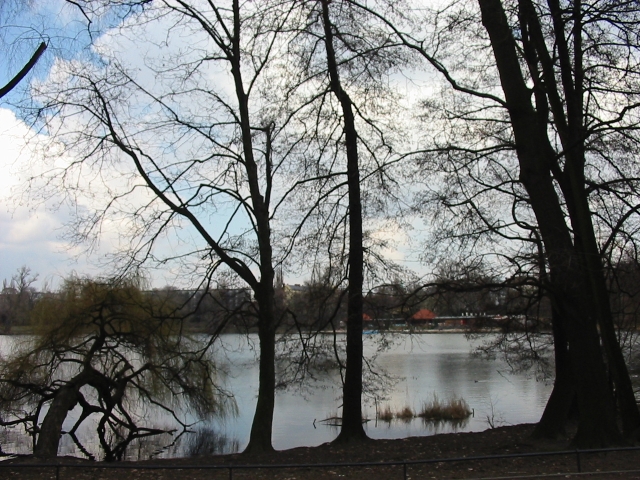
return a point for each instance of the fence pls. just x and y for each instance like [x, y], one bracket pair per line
[231, 468]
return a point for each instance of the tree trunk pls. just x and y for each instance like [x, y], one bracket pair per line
[51, 429]
[568, 288]
[563, 395]
[351, 429]
[570, 122]
[599, 299]
[262, 426]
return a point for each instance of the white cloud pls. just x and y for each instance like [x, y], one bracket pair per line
[29, 234]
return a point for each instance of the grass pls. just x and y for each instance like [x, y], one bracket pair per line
[386, 414]
[406, 414]
[454, 409]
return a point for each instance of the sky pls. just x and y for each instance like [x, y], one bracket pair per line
[31, 234]
[32, 231]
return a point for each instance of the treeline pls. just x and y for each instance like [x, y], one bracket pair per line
[316, 306]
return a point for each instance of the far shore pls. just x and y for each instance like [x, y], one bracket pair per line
[28, 330]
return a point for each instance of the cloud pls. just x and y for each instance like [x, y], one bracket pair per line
[29, 234]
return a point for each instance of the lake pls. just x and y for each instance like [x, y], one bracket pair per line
[415, 368]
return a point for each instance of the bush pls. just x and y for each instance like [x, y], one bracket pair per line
[406, 414]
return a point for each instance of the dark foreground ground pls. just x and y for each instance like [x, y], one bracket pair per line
[500, 441]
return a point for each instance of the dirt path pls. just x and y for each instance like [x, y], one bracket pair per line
[501, 441]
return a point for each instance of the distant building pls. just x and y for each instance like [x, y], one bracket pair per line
[422, 317]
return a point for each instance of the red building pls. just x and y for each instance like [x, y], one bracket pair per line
[422, 317]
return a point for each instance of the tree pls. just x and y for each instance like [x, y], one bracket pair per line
[104, 346]
[567, 256]
[352, 393]
[206, 153]
[17, 299]
[346, 56]
[556, 64]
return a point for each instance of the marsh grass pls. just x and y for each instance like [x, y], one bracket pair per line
[406, 414]
[386, 414]
[455, 409]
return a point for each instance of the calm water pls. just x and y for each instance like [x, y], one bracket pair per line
[418, 367]
[441, 364]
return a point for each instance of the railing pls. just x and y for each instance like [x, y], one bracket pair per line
[403, 463]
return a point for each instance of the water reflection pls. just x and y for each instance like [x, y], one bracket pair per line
[207, 441]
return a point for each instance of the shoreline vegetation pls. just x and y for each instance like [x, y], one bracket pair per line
[454, 410]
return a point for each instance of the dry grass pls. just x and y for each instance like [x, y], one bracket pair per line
[406, 414]
[385, 414]
[454, 409]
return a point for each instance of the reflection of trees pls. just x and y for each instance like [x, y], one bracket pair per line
[107, 349]
[207, 441]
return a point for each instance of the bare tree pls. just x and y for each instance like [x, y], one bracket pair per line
[204, 135]
[352, 393]
[346, 57]
[17, 299]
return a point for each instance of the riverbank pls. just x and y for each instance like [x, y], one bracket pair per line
[500, 441]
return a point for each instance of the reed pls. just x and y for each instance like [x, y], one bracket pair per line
[453, 409]
[385, 414]
[405, 414]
